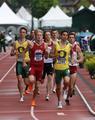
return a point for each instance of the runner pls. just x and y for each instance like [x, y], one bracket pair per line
[61, 66]
[54, 37]
[48, 66]
[21, 72]
[37, 53]
[76, 57]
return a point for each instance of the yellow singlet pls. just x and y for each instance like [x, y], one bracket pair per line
[62, 56]
[19, 50]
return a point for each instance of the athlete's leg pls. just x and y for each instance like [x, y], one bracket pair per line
[19, 70]
[48, 86]
[20, 86]
[73, 78]
[58, 78]
[66, 89]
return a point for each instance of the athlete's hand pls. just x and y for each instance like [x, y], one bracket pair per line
[72, 61]
[42, 81]
[24, 64]
[12, 54]
[46, 55]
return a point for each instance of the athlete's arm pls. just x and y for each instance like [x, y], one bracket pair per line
[46, 51]
[29, 46]
[80, 54]
[13, 50]
[53, 51]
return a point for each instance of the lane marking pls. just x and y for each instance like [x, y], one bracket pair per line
[40, 111]
[4, 57]
[12, 93]
[32, 113]
[61, 114]
[91, 110]
[7, 73]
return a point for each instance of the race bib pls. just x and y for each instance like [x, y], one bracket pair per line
[20, 51]
[38, 56]
[61, 57]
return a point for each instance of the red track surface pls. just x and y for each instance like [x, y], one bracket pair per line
[12, 109]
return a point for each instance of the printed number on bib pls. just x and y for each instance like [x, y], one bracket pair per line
[38, 56]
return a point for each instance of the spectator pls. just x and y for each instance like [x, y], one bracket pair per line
[2, 42]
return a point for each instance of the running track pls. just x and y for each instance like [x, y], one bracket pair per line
[12, 109]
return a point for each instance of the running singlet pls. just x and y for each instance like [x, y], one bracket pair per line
[74, 55]
[37, 53]
[20, 47]
[62, 56]
[49, 48]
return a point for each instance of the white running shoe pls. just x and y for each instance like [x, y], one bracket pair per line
[54, 90]
[22, 99]
[59, 105]
[65, 94]
[47, 98]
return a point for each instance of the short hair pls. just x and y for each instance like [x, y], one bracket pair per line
[53, 31]
[71, 33]
[38, 30]
[23, 28]
[63, 31]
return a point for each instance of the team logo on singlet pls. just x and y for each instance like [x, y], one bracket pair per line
[20, 49]
[38, 55]
[61, 57]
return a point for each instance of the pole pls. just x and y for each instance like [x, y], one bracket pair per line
[32, 20]
[32, 27]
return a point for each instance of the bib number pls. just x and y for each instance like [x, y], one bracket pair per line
[38, 56]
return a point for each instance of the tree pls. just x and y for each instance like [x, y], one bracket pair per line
[40, 7]
[85, 3]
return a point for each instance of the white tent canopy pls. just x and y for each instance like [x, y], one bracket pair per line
[48, 14]
[81, 7]
[8, 17]
[91, 7]
[24, 14]
[56, 17]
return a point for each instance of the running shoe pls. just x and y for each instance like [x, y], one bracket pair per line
[27, 92]
[33, 103]
[54, 90]
[72, 92]
[59, 105]
[67, 102]
[29, 89]
[22, 99]
[65, 94]
[47, 98]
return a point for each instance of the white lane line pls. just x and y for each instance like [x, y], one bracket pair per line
[32, 113]
[91, 110]
[3, 57]
[61, 114]
[7, 72]
[13, 93]
[40, 111]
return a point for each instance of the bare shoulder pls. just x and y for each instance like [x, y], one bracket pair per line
[30, 43]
